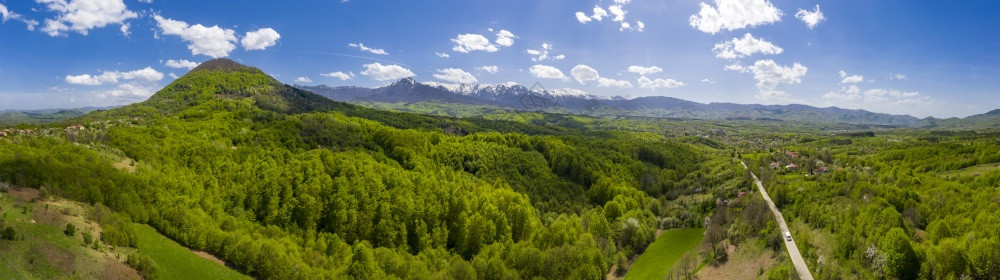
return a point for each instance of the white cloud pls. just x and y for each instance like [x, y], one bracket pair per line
[769, 75]
[6, 15]
[599, 13]
[174, 76]
[810, 18]
[658, 83]
[639, 26]
[505, 38]
[898, 77]
[339, 75]
[882, 100]
[850, 79]
[260, 39]
[442, 55]
[492, 69]
[455, 75]
[582, 17]
[364, 48]
[618, 12]
[113, 77]
[706, 80]
[465, 43]
[734, 14]
[181, 63]
[606, 82]
[546, 72]
[212, 41]
[543, 53]
[743, 47]
[583, 73]
[83, 15]
[303, 80]
[644, 70]
[381, 72]
[127, 93]
[625, 26]
[736, 67]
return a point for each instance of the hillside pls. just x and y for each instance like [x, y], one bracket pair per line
[281, 183]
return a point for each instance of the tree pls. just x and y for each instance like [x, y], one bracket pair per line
[900, 260]
[70, 229]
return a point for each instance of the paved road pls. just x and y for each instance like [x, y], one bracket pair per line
[793, 251]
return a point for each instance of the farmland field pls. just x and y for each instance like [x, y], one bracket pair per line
[655, 263]
[176, 261]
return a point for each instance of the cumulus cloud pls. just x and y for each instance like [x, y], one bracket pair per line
[127, 93]
[83, 15]
[303, 80]
[639, 26]
[617, 12]
[736, 67]
[707, 81]
[810, 18]
[492, 69]
[339, 75]
[381, 72]
[181, 63]
[260, 39]
[582, 73]
[113, 77]
[734, 14]
[658, 83]
[505, 38]
[465, 43]
[769, 75]
[898, 77]
[543, 53]
[212, 41]
[546, 72]
[442, 55]
[853, 79]
[6, 14]
[364, 48]
[877, 99]
[582, 17]
[606, 82]
[642, 70]
[455, 75]
[743, 47]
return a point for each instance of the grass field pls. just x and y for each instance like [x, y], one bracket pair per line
[656, 262]
[176, 261]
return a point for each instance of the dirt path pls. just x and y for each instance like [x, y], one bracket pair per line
[793, 250]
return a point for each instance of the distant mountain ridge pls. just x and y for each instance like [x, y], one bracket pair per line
[567, 100]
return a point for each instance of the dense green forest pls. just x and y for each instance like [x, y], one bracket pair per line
[283, 184]
[906, 205]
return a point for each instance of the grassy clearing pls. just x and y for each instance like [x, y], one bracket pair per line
[176, 261]
[656, 262]
[41, 250]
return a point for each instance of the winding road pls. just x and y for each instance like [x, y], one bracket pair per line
[793, 250]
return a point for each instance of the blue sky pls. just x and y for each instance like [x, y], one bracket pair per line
[924, 58]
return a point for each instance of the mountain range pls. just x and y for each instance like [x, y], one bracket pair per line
[568, 100]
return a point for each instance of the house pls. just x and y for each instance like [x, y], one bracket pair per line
[774, 165]
[792, 154]
[741, 194]
[821, 170]
[791, 166]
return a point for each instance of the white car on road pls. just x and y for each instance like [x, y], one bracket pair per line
[788, 236]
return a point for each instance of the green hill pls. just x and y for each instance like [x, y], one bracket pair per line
[284, 184]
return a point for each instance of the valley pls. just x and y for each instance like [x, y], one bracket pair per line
[264, 180]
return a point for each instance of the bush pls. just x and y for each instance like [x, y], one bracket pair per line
[145, 265]
[8, 233]
[70, 229]
[87, 238]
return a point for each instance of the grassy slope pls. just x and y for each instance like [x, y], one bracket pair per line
[176, 261]
[43, 251]
[655, 263]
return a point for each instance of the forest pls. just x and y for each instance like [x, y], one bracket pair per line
[282, 185]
